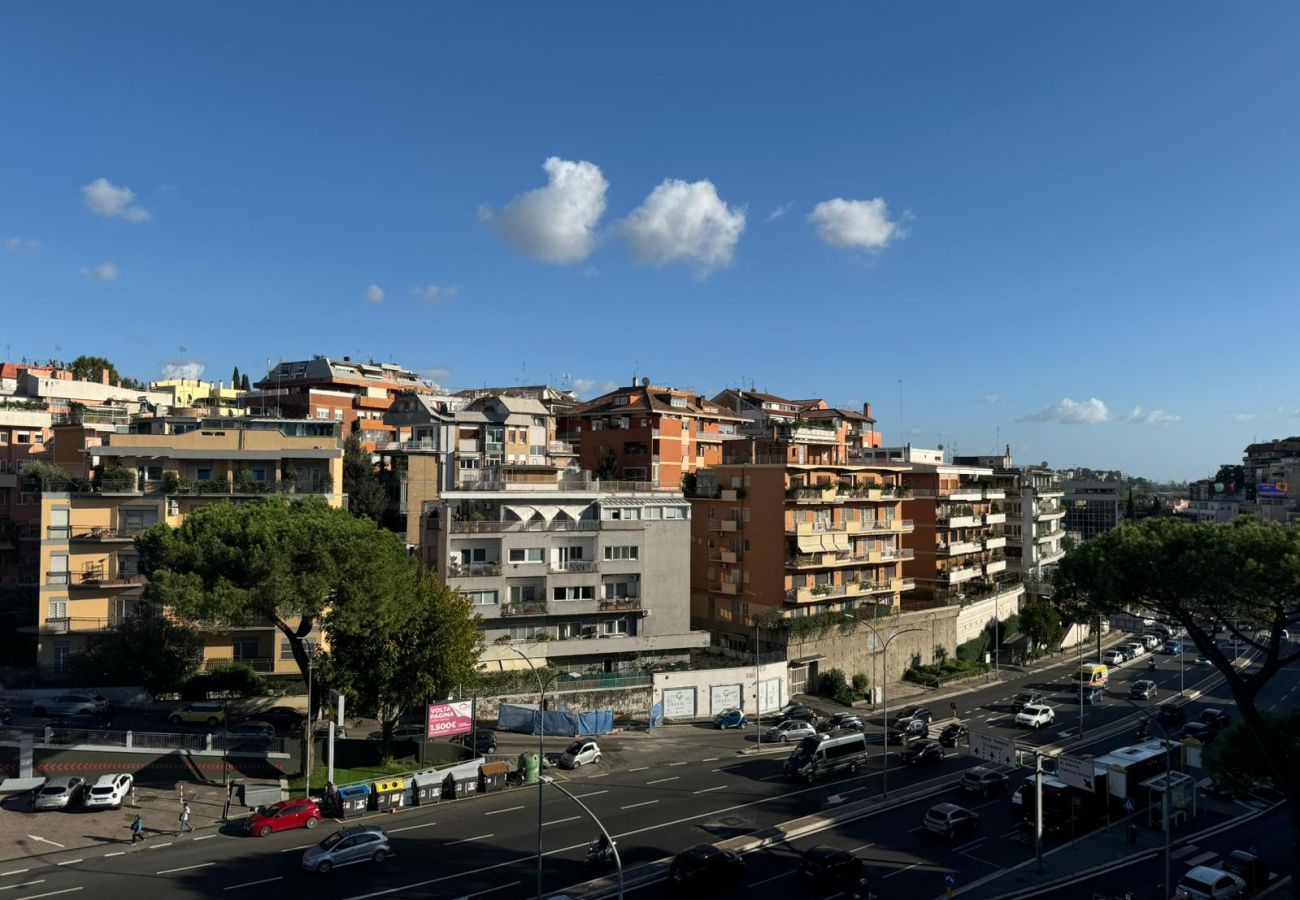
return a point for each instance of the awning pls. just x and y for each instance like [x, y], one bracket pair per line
[810, 543]
[839, 541]
[805, 660]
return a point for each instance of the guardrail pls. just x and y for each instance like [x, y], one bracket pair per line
[144, 741]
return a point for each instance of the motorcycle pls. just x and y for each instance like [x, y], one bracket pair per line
[863, 891]
[1151, 665]
[1142, 732]
[600, 856]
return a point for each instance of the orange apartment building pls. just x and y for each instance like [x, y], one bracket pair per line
[658, 435]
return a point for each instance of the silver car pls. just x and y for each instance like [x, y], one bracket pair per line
[70, 705]
[790, 730]
[60, 793]
[361, 843]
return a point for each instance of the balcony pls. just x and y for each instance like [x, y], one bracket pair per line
[95, 580]
[860, 588]
[619, 604]
[1049, 558]
[958, 548]
[728, 525]
[508, 527]
[727, 556]
[995, 543]
[78, 624]
[108, 535]
[574, 566]
[262, 664]
[1044, 536]
[992, 568]
[527, 608]
[560, 448]
[995, 518]
[958, 575]
[227, 488]
[473, 570]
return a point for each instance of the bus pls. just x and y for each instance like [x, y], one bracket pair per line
[824, 754]
[1123, 770]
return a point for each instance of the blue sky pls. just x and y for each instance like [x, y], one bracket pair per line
[1072, 229]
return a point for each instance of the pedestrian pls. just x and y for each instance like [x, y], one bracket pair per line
[137, 830]
[230, 796]
[185, 820]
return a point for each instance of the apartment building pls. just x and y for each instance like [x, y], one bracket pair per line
[354, 394]
[645, 433]
[567, 572]
[24, 434]
[1272, 480]
[796, 431]
[61, 393]
[1092, 507]
[160, 472]
[205, 398]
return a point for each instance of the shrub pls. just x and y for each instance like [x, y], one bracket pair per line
[974, 649]
[860, 682]
[232, 678]
[831, 683]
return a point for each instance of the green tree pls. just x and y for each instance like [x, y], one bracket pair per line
[367, 497]
[1041, 623]
[1130, 509]
[1235, 759]
[245, 385]
[287, 562]
[607, 468]
[151, 650]
[1243, 576]
[234, 378]
[424, 653]
[91, 368]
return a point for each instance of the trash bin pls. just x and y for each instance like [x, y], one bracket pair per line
[492, 776]
[353, 800]
[531, 767]
[388, 794]
[427, 789]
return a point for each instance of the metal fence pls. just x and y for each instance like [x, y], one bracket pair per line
[143, 740]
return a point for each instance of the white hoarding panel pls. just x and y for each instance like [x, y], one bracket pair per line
[723, 696]
[769, 694]
[679, 703]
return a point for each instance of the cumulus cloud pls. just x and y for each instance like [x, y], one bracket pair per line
[1070, 412]
[183, 368]
[684, 221]
[22, 246]
[435, 293]
[590, 387]
[105, 271]
[1140, 416]
[375, 294]
[104, 198]
[990, 399]
[778, 212]
[556, 223]
[438, 375]
[857, 224]
[1244, 417]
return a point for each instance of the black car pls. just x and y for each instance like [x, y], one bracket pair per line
[953, 734]
[283, 718]
[983, 781]
[927, 753]
[824, 865]
[1028, 698]
[707, 866]
[1171, 714]
[1217, 719]
[845, 721]
[482, 742]
[913, 714]
[1204, 734]
[909, 731]
[802, 713]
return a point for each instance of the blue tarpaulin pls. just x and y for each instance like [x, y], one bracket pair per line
[525, 720]
[599, 721]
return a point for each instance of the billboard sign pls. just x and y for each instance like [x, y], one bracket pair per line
[994, 749]
[1277, 490]
[1076, 772]
[449, 719]
[679, 703]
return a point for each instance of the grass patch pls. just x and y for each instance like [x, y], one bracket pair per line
[320, 774]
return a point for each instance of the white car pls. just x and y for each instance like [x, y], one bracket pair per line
[790, 730]
[109, 792]
[1113, 657]
[1205, 883]
[1135, 649]
[580, 753]
[1036, 716]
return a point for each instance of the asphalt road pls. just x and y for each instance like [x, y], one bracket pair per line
[485, 846]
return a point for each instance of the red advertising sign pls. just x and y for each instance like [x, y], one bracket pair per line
[450, 719]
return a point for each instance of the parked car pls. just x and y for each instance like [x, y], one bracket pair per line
[950, 820]
[60, 793]
[1217, 719]
[983, 781]
[789, 730]
[953, 734]
[1027, 698]
[252, 731]
[707, 866]
[1152, 641]
[1036, 716]
[481, 742]
[1113, 657]
[913, 713]
[579, 753]
[1135, 649]
[827, 866]
[927, 753]
[845, 721]
[284, 718]
[360, 843]
[212, 713]
[1171, 714]
[910, 731]
[1205, 883]
[401, 733]
[70, 705]
[109, 792]
[282, 816]
[1248, 867]
[1142, 689]
[730, 718]
[794, 711]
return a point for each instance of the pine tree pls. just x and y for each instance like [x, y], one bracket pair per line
[234, 378]
[245, 386]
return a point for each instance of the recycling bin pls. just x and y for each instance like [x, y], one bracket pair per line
[353, 800]
[388, 794]
[427, 789]
[492, 776]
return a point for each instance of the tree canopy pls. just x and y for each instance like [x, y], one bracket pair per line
[367, 496]
[91, 368]
[1041, 623]
[153, 650]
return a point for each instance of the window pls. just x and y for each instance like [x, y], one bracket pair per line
[679, 402]
[614, 626]
[58, 573]
[473, 555]
[525, 593]
[4, 437]
[615, 590]
[338, 415]
[322, 413]
[22, 437]
[573, 629]
[653, 513]
[152, 472]
[259, 474]
[527, 555]
[286, 649]
[62, 653]
[672, 512]
[628, 552]
[482, 598]
[576, 592]
[244, 650]
[203, 473]
[471, 463]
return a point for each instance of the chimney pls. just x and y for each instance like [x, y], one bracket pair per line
[866, 410]
[103, 376]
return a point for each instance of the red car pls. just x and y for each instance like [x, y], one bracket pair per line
[281, 816]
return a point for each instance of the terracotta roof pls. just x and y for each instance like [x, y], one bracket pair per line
[657, 400]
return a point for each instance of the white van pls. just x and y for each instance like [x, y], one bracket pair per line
[823, 754]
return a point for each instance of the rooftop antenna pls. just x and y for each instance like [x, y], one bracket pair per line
[902, 435]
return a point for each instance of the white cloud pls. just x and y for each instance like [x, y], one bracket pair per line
[990, 399]
[375, 294]
[1156, 417]
[859, 224]
[556, 223]
[435, 293]
[589, 387]
[104, 198]
[22, 246]
[183, 368]
[439, 375]
[105, 271]
[778, 212]
[687, 221]
[1244, 417]
[1070, 412]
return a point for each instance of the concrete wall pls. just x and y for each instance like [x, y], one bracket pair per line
[975, 617]
[625, 702]
[713, 690]
[860, 651]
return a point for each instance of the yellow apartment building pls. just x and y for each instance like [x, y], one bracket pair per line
[158, 472]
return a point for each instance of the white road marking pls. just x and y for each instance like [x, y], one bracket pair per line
[235, 887]
[709, 790]
[635, 805]
[158, 846]
[69, 862]
[13, 872]
[410, 827]
[639, 769]
[185, 868]
[863, 847]
[10, 887]
[590, 794]
[662, 780]
[967, 846]
[670, 765]
[481, 837]
[562, 821]
[53, 893]
[899, 871]
[299, 847]
[37, 837]
[715, 759]
[204, 837]
[495, 812]
[499, 887]
[914, 830]
[116, 853]
[773, 878]
[772, 777]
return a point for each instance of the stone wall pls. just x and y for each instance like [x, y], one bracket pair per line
[861, 651]
[975, 617]
[627, 703]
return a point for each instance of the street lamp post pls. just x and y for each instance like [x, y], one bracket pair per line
[884, 691]
[310, 647]
[618, 861]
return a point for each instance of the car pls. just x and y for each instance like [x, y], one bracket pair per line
[911, 730]
[60, 793]
[1171, 714]
[1217, 719]
[1152, 641]
[579, 753]
[789, 730]
[358, 844]
[284, 718]
[730, 718]
[1171, 648]
[481, 742]
[1036, 716]
[1248, 867]
[1027, 698]
[913, 713]
[1142, 689]
[70, 705]
[1113, 657]
[983, 781]
[1202, 733]
[827, 866]
[302, 813]
[804, 713]
[950, 820]
[845, 722]
[210, 712]
[109, 791]
[401, 733]
[252, 730]
[1135, 649]
[1094, 693]
[707, 866]
[1202, 660]
[1205, 883]
[923, 753]
[953, 734]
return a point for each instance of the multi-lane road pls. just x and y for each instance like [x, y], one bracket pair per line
[703, 791]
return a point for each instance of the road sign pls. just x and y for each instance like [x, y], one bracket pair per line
[998, 750]
[1129, 805]
[1076, 772]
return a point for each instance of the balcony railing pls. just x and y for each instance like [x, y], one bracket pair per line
[473, 570]
[95, 579]
[106, 535]
[609, 604]
[504, 527]
[256, 663]
[573, 566]
[224, 486]
[73, 624]
[58, 532]
[529, 608]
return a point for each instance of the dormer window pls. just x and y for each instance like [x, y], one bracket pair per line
[679, 402]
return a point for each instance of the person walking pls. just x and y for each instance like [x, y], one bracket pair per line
[185, 820]
[137, 830]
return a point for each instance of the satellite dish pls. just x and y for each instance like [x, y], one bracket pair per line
[645, 382]
[941, 446]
